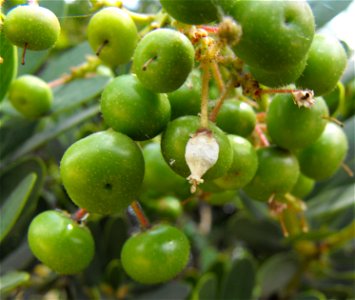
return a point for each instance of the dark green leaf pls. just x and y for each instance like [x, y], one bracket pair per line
[33, 61]
[77, 92]
[15, 202]
[206, 288]
[331, 202]
[8, 68]
[58, 7]
[172, 290]
[276, 272]
[311, 295]
[326, 10]
[18, 259]
[12, 280]
[240, 280]
[65, 61]
[43, 137]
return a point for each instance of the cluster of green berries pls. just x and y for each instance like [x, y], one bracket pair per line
[159, 103]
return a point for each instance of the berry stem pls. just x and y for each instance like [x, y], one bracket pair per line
[102, 46]
[347, 169]
[142, 219]
[217, 76]
[24, 54]
[220, 101]
[204, 94]
[263, 139]
[80, 214]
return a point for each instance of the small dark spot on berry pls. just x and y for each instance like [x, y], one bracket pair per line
[108, 186]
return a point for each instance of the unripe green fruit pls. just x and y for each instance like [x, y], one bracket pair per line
[303, 186]
[113, 35]
[276, 34]
[32, 26]
[244, 165]
[193, 12]
[155, 255]
[175, 138]
[159, 178]
[168, 207]
[103, 172]
[333, 99]
[128, 107]
[278, 78]
[60, 243]
[326, 63]
[222, 198]
[236, 117]
[186, 100]
[293, 127]
[31, 96]
[163, 59]
[277, 173]
[322, 159]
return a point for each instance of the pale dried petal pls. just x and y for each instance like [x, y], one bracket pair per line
[303, 98]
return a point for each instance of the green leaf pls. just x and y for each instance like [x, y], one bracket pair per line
[15, 202]
[206, 288]
[276, 272]
[8, 68]
[326, 10]
[58, 7]
[33, 61]
[12, 280]
[171, 290]
[10, 178]
[240, 280]
[50, 133]
[65, 61]
[331, 202]
[77, 92]
[311, 295]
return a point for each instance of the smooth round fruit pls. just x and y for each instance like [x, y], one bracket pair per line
[103, 172]
[186, 100]
[175, 138]
[303, 186]
[155, 255]
[128, 107]
[322, 159]
[163, 59]
[278, 78]
[193, 12]
[244, 165]
[159, 179]
[276, 34]
[293, 127]
[31, 96]
[277, 173]
[167, 207]
[334, 98]
[222, 198]
[113, 35]
[32, 26]
[236, 117]
[326, 63]
[60, 243]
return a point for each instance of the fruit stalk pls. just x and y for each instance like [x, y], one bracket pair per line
[220, 101]
[204, 94]
[142, 219]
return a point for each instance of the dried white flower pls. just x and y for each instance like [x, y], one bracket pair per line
[303, 98]
[201, 153]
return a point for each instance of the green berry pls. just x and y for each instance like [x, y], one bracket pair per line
[303, 186]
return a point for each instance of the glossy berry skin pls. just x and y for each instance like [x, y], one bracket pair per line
[175, 138]
[333, 99]
[326, 63]
[60, 243]
[31, 96]
[193, 12]
[103, 172]
[159, 179]
[186, 100]
[244, 165]
[303, 186]
[128, 107]
[36, 27]
[167, 208]
[236, 117]
[163, 59]
[276, 34]
[155, 255]
[114, 28]
[322, 159]
[221, 198]
[293, 127]
[277, 173]
[279, 78]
